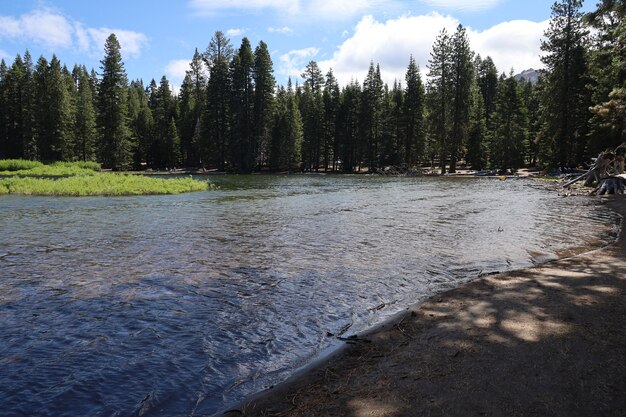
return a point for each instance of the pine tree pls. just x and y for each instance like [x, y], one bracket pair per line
[242, 146]
[173, 156]
[264, 86]
[330, 98]
[487, 79]
[566, 100]
[608, 73]
[476, 144]
[371, 116]
[217, 118]
[115, 144]
[15, 94]
[163, 112]
[348, 121]
[462, 79]
[413, 115]
[192, 101]
[440, 90]
[4, 115]
[29, 139]
[510, 127]
[85, 121]
[312, 110]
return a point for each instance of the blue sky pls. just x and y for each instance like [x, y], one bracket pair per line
[159, 37]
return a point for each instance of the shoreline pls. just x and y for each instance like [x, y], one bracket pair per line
[504, 344]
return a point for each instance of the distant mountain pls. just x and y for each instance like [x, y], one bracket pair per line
[529, 75]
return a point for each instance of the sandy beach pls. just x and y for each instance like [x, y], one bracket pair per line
[542, 341]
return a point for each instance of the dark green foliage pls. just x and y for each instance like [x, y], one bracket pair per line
[476, 144]
[312, 110]
[510, 127]
[243, 146]
[440, 90]
[372, 102]
[413, 113]
[608, 73]
[462, 79]
[115, 140]
[566, 99]
[85, 119]
[217, 117]
[287, 133]
[264, 86]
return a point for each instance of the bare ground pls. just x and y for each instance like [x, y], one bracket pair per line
[544, 341]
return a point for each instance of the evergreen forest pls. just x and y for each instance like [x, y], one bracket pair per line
[230, 114]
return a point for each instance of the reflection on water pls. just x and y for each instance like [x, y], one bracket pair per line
[180, 305]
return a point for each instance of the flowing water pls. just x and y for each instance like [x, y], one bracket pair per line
[181, 305]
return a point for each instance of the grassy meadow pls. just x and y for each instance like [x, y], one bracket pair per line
[85, 179]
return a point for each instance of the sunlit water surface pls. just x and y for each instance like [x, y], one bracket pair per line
[182, 305]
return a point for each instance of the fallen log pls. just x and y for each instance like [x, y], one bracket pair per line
[610, 185]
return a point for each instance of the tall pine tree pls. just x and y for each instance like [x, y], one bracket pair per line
[115, 140]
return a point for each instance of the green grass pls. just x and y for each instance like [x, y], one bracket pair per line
[100, 184]
[21, 168]
[18, 164]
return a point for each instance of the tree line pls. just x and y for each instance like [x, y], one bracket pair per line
[230, 115]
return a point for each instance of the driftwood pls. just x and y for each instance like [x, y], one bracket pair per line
[604, 173]
[610, 185]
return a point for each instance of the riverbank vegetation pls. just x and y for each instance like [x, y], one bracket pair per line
[229, 115]
[85, 179]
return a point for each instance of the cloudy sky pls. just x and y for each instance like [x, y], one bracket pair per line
[158, 37]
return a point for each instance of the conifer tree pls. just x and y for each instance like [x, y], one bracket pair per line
[264, 86]
[440, 89]
[566, 100]
[476, 144]
[15, 95]
[330, 98]
[608, 73]
[311, 108]
[173, 156]
[115, 143]
[487, 79]
[242, 145]
[510, 126]
[4, 114]
[217, 118]
[462, 79]
[348, 121]
[85, 121]
[413, 115]
[371, 116]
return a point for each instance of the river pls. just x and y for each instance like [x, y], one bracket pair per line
[181, 305]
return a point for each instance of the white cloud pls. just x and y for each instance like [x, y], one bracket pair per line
[175, 72]
[318, 9]
[514, 44]
[465, 5]
[293, 62]
[130, 42]
[235, 32]
[285, 30]
[391, 43]
[55, 31]
[209, 7]
[40, 26]
[4, 54]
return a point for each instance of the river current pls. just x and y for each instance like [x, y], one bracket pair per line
[182, 305]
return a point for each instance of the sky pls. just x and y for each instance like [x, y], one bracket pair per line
[159, 37]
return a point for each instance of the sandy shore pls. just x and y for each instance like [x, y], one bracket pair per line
[543, 341]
